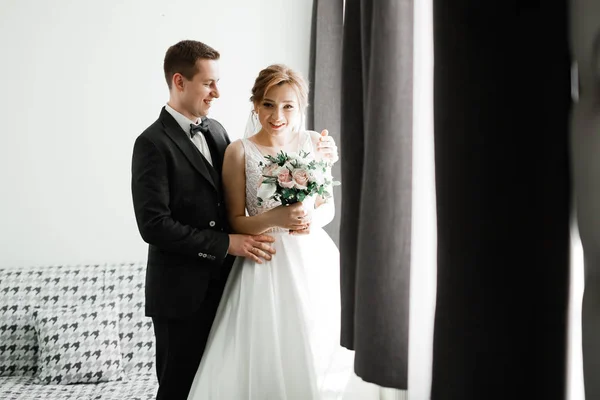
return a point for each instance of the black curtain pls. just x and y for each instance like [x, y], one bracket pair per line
[502, 102]
[325, 82]
[377, 82]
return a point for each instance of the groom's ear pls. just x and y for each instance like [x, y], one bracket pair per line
[177, 82]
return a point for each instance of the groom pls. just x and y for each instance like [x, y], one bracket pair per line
[180, 213]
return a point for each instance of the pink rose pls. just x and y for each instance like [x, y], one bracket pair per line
[271, 170]
[300, 176]
[285, 178]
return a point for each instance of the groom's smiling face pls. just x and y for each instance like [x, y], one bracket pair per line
[197, 94]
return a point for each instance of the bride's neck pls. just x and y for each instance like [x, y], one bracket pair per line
[274, 141]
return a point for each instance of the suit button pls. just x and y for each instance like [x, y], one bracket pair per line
[218, 204]
[199, 254]
[212, 223]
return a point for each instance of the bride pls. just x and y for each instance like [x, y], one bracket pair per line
[276, 332]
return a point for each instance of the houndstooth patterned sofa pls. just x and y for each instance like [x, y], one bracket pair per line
[23, 290]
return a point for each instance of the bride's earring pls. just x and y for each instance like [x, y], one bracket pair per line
[255, 121]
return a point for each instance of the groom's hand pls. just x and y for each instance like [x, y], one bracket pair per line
[255, 247]
[327, 148]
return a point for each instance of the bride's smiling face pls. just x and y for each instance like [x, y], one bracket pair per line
[279, 110]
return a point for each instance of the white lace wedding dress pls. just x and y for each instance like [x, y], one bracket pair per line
[276, 332]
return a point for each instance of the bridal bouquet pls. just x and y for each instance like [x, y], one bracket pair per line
[289, 178]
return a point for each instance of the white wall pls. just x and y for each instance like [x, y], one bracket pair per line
[79, 80]
[575, 384]
[424, 231]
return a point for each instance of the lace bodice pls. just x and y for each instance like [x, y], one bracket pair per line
[254, 173]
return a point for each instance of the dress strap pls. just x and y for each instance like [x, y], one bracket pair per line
[306, 142]
[251, 149]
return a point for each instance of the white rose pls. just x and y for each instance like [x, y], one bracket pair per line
[266, 190]
[318, 176]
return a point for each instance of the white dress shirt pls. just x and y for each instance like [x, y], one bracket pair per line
[199, 140]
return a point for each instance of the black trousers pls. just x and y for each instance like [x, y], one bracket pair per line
[180, 344]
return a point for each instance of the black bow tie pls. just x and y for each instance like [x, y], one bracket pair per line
[202, 127]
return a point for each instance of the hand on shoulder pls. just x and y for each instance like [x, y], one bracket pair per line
[325, 145]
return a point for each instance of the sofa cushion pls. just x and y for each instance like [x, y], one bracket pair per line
[136, 330]
[25, 287]
[65, 285]
[78, 344]
[18, 343]
[136, 387]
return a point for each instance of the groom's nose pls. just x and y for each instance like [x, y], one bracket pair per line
[215, 92]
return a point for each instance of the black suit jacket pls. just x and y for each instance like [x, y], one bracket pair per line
[180, 213]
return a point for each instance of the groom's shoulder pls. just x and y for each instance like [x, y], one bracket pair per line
[152, 137]
[217, 129]
[153, 133]
[156, 130]
[213, 123]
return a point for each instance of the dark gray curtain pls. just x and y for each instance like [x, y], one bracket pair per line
[585, 150]
[502, 101]
[325, 80]
[376, 150]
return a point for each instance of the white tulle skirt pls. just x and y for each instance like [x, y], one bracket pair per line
[276, 332]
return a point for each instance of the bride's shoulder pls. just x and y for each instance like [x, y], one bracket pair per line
[235, 149]
[310, 135]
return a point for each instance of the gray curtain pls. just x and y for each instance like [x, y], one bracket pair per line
[585, 150]
[501, 112]
[325, 80]
[377, 70]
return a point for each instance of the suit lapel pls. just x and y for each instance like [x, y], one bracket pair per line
[216, 145]
[186, 146]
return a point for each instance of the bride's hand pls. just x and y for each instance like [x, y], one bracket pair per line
[292, 217]
[304, 231]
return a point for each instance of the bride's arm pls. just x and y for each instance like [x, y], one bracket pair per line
[324, 211]
[234, 185]
[324, 208]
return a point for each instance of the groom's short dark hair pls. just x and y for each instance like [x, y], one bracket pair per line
[182, 57]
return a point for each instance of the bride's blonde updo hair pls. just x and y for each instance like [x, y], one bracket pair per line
[279, 74]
